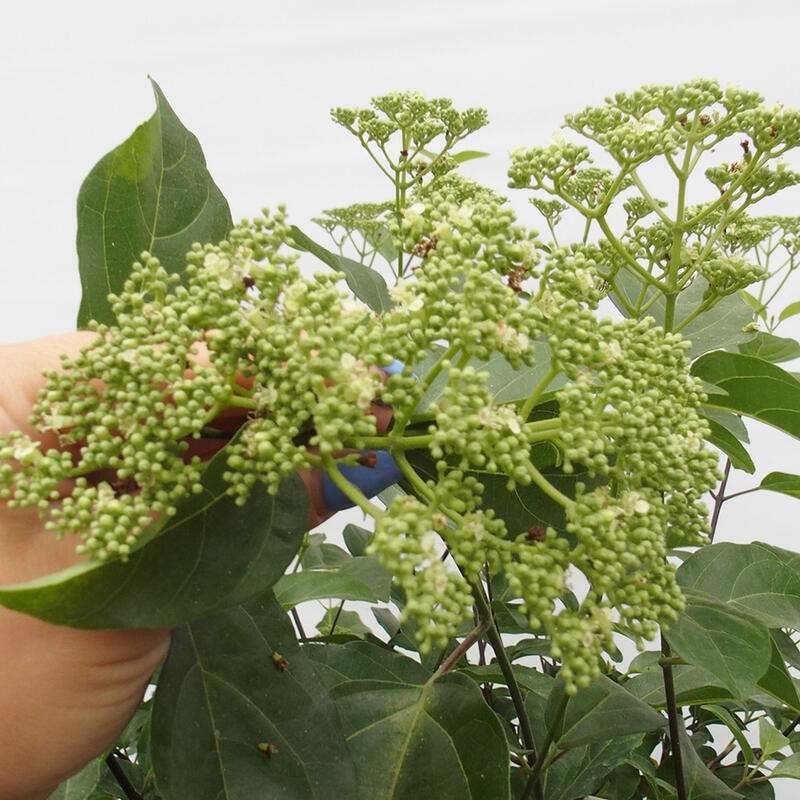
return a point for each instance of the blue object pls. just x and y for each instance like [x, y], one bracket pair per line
[370, 479]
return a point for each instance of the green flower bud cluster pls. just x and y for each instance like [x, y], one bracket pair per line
[245, 330]
[408, 539]
[472, 432]
[426, 131]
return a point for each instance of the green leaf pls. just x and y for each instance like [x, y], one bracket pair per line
[693, 686]
[722, 325]
[735, 727]
[723, 640]
[789, 767]
[365, 283]
[777, 682]
[601, 707]
[362, 578]
[467, 155]
[508, 384]
[790, 311]
[439, 741]
[701, 783]
[339, 663]
[212, 555]
[82, 785]
[756, 579]
[356, 539]
[223, 699]
[770, 738]
[754, 387]
[729, 444]
[152, 192]
[584, 770]
[770, 347]
[782, 482]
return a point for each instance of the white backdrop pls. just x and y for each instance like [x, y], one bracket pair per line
[255, 82]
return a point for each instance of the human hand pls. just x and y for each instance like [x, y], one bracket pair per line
[65, 694]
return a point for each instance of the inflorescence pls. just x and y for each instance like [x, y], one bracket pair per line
[296, 361]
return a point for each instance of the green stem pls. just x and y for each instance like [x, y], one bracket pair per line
[534, 396]
[355, 494]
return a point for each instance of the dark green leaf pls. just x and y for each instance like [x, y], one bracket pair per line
[754, 387]
[693, 686]
[212, 555]
[701, 783]
[439, 741]
[529, 679]
[356, 539]
[321, 554]
[365, 283]
[729, 444]
[585, 769]
[756, 579]
[151, 193]
[601, 707]
[362, 578]
[340, 625]
[777, 682]
[723, 640]
[363, 661]
[223, 701]
[782, 482]
[770, 347]
[82, 785]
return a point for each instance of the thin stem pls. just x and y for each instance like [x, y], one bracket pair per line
[719, 499]
[121, 778]
[518, 701]
[357, 497]
[460, 651]
[534, 396]
[674, 719]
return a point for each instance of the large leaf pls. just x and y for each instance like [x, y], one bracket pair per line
[232, 721]
[212, 555]
[756, 579]
[585, 769]
[338, 663]
[728, 643]
[722, 325]
[152, 192]
[439, 741]
[769, 347]
[82, 785]
[362, 578]
[754, 387]
[700, 782]
[600, 707]
[366, 284]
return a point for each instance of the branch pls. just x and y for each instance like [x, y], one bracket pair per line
[674, 720]
[122, 779]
